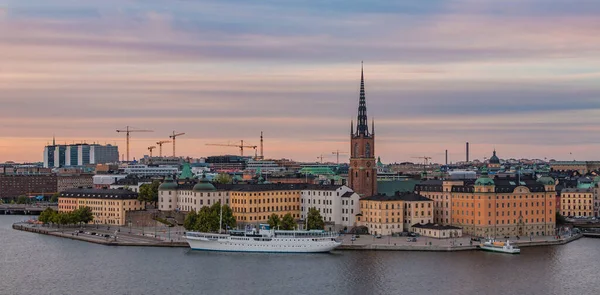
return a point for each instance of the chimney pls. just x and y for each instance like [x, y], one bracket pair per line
[446, 157]
[467, 151]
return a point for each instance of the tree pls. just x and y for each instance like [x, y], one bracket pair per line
[149, 192]
[560, 220]
[314, 219]
[22, 200]
[54, 198]
[228, 219]
[207, 221]
[274, 221]
[288, 223]
[190, 220]
[223, 178]
[46, 215]
[84, 215]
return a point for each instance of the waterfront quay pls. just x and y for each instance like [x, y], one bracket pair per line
[160, 236]
[163, 236]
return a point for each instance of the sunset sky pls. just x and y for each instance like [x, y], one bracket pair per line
[518, 75]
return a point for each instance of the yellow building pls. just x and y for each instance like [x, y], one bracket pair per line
[495, 207]
[577, 202]
[255, 203]
[108, 205]
[385, 215]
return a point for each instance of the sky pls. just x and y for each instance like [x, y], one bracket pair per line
[520, 76]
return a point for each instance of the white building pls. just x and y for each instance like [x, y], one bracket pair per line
[338, 205]
[189, 196]
[263, 166]
[149, 170]
[105, 180]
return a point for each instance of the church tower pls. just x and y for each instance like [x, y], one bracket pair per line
[362, 175]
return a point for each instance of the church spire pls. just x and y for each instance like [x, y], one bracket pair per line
[362, 125]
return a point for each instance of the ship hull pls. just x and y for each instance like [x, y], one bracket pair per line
[500, 250]
[289, 245]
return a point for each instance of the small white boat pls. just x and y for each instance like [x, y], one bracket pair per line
[502, 247]
[265, 240]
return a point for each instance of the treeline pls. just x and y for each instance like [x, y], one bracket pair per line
[207, 219]
[80, 215]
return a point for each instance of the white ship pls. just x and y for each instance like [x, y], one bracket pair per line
[265, 240]
[502, 247]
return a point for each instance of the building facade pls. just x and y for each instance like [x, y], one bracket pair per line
[437, 231]
[65, 182]
[337, 204]
[56, 156]
[389, 214]
[13, 186]
[108, 205]
[495, 207]
[577, 202]
[362, 173]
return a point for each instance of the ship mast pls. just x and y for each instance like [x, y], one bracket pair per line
[221, 215]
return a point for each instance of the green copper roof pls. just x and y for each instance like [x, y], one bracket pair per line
[317, 170]
[168, 184]
[204, 185]
[484, 179]
[546, 180]
[379, 164]
[186, 172]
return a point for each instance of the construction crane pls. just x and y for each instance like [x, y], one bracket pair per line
[150, 148]
[338, 153]
[241, 146]
[173, 137]
[425, 160]
[160, 143]
[321, 157]
[127, 131]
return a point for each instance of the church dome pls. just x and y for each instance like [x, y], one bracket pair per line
[204, 185]
[168, 185]
[494, 159]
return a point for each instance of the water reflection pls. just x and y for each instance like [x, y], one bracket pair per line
[40, 264]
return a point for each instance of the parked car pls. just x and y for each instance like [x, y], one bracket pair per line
[353, 238]
[378, 236]
[93, 233]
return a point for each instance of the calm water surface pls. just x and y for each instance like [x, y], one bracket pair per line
[39, 264]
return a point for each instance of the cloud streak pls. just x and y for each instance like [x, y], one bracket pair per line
[438, 73]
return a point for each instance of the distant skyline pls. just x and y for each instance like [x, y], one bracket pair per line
[520, 76]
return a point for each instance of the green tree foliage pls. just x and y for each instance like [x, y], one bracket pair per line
[223, 178]
[46, 215]
[314, 219]
[149, 192]
[80, 215]
[560, 219]
[22, 200]
[190, 220]
[207, 219]
[54, 198]
[288, 223]
[274, 221]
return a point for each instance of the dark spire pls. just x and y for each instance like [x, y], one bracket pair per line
[362, 127]
[351, 127]
[372, 126]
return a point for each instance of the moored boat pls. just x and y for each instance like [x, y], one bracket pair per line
[265, 240]
[502, 247]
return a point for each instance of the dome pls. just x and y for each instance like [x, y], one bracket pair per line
[494, 159]
[484, 179]
[546, 180]
[168, 185]
[204, 185]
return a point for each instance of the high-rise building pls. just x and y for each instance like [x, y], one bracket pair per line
[362, 174]
[56, 156]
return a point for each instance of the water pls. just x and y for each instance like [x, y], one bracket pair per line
[39, 264]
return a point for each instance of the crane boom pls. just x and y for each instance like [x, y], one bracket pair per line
[241, 146]
[127, 131]
[173, 136]
[338, 153]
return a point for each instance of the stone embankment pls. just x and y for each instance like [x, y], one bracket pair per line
[122, 239]
[449, 248]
